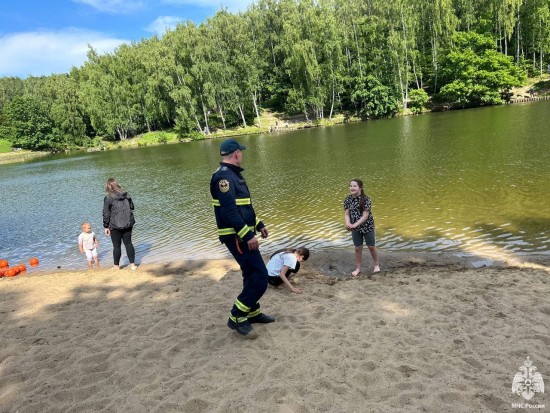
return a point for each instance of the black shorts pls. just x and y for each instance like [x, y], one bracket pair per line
[275, 281]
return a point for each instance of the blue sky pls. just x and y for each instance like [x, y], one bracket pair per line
[41, 37]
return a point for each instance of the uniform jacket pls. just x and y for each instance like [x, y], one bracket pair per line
[232, 204]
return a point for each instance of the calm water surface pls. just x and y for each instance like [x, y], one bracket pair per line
[473, 182]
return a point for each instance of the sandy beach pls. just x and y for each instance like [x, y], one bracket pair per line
[428, 334]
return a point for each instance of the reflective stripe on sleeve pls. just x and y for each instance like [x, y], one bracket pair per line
[238, 201]
[243, 231]
[230, 231]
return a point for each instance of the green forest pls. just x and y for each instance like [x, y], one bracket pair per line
[364, 58]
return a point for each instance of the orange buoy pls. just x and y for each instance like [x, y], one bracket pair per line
[33, 261]
[11, 272]
[4, 263]
[22, 267]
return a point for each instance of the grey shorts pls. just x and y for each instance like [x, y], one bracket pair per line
[358, 238]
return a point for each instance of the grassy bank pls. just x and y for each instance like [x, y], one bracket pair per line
[20, 156]
[269, 122]
[5, 146]
[8, 155]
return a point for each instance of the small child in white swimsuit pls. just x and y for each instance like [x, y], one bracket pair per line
[87, 243]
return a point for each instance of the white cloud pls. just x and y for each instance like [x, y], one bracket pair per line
[163, 23]
[46, 52]
[114, 6]
[232, 5]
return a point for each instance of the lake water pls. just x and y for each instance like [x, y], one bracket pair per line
[472, 182]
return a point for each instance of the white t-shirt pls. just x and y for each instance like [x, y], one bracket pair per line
[87, 240]
[276, 263]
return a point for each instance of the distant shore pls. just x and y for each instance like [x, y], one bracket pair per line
[270, 123]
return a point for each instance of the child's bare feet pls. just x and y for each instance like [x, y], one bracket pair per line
[377, 268]
[356, 273]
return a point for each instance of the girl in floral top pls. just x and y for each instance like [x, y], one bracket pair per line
[360, 222]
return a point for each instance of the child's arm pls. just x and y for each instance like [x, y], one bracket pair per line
[346, 217]
[361, 220]
[80, 241]
[96, 242]
[287, 282]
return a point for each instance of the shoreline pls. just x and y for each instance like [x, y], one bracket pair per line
[339, 262]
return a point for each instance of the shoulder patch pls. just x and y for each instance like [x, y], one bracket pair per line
[224, 185]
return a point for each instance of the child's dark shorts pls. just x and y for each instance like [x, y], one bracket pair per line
[276, 281]
[359, 237]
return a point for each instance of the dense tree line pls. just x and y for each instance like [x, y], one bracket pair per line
[315, 57]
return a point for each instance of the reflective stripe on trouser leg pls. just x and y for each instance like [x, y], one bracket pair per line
[242, 307]
[256, 312]
[237, 319]
[254, 278]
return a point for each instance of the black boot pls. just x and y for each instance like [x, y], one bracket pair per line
[261, 318]
[242, 327]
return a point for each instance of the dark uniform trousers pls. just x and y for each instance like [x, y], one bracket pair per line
[237, 223]
[254, 279]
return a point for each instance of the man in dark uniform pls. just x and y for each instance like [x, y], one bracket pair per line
[237, 226]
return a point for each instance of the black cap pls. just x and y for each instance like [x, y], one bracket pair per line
[229, 146]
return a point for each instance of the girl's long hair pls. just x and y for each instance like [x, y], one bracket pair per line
[112, 186]
[303, 251]
[362, 198]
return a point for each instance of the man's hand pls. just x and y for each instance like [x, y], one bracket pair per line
[264, 232]
[107, 231]
[253, 244]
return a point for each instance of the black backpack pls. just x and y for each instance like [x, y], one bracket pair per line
[122, 216]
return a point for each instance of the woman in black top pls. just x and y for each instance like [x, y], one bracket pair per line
[118, 221]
